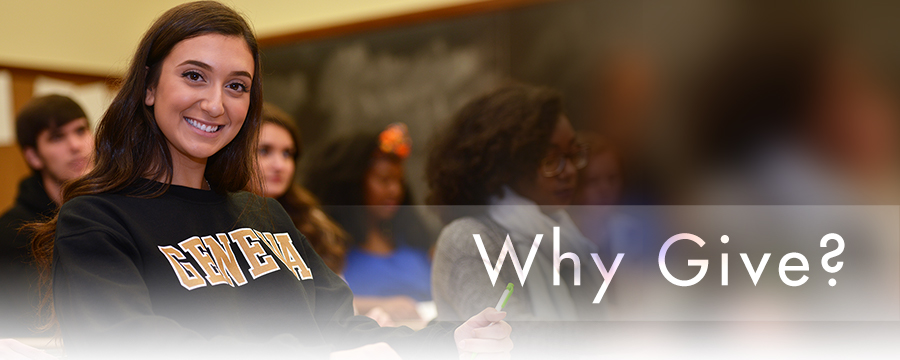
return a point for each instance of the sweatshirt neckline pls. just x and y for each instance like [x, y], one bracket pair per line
[178, 191]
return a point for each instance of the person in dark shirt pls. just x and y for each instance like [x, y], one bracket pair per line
[54, 137]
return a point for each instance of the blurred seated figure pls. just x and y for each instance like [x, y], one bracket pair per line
[279, 151]
[792, 117]
[506, 165]
[598, 192]
[360, 180]
[615, 228]
[56, 141]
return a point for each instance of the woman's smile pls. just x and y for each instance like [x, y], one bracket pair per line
[202, 126]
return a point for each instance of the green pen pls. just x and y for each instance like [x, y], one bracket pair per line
[500, 304]
[505, 297]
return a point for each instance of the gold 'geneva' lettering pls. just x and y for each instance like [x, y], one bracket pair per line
[195, 247]
[219, 265]
[187, 275]
[260, 262]
[291, 257]
[225, 260]
[283, 247]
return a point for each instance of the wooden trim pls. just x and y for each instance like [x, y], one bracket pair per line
[76, 78]
[23, 82]
[424, 16]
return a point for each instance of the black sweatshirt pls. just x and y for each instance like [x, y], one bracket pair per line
[195, 273]
[18, 274]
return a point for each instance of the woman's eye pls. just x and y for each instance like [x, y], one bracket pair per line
[263, 151]
[192, 75]
[238, 87]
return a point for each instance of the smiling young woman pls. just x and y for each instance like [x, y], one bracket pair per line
[200, 100]
[157, 253]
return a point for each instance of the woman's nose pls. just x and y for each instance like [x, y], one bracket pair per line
[212, 104]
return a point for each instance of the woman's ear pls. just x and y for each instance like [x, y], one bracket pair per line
[149, 95]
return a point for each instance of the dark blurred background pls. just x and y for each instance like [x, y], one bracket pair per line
[707, 102]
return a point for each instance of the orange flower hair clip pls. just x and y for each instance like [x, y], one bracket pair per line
[395, 140]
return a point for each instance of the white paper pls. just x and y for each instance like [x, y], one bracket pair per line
[93, 97]
[7, 113]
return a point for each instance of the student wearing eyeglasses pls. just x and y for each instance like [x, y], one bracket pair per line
[507, 164]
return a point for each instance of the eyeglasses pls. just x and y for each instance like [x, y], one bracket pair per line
[554, 163]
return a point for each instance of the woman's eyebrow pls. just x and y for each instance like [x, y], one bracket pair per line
[241, 73]
[196, 63]
[207, 67]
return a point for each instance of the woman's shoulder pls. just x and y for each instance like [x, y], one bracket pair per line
[460, 233]
[98, 212]
[261, 211]
[256, 203]
[91, 203]
[470, 225]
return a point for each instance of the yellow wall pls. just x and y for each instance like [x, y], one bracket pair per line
[97, 36]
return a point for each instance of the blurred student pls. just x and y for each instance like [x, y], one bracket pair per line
[598, 210]
[56, 142]
[507, 164]
[796, 118]
[601, 180]
[279, 150]
[361, 181]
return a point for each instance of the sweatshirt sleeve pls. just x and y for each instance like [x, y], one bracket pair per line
[335, 315]
[104, 308]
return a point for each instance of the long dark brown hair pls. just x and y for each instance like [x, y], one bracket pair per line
[130, 145]
[325, 236]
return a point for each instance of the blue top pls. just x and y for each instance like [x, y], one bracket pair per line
[406, 271]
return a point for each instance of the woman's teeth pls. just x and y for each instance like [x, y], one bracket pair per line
[207, 128]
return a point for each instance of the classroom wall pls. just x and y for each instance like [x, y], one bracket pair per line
[96, 37]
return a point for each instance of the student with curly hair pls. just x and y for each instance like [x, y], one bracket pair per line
[507, 164]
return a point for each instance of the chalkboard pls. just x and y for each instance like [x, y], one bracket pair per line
[420, 74]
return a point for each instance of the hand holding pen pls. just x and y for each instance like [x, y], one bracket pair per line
[486, 335]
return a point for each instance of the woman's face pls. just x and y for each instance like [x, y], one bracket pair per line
[556, 190]
[384, 187]
[276, 159]
[202, 96]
